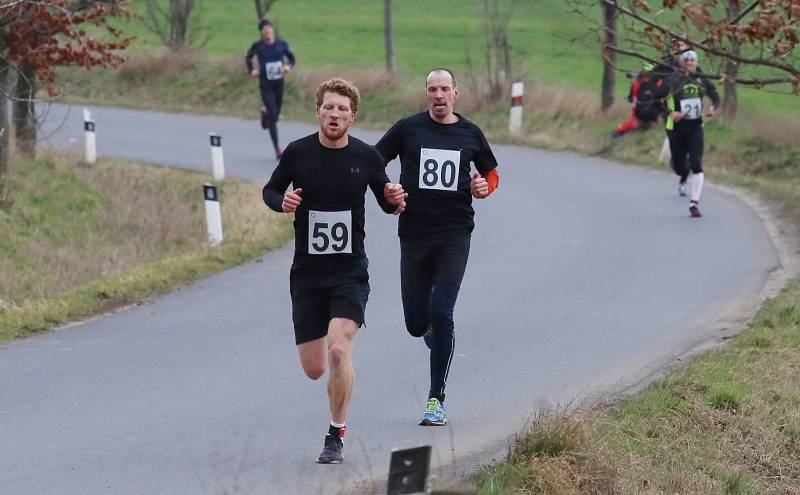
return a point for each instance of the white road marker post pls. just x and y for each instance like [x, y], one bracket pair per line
[213, 214]
[665, 154]
[515, 116]
[91, 140]
[217, 160]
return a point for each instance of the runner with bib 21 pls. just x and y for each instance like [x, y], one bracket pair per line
[685, 91]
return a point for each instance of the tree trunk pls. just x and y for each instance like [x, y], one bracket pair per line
[730, 99]
[263, 7]
[180, 10]
[5, 118]
[609, 57]
[25, 111]
[391, 61]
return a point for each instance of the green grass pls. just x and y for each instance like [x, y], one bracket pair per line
[78, 240]
[349, 34]
[728, 422]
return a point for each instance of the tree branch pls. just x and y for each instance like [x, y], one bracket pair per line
[722, 53]
[716, 77]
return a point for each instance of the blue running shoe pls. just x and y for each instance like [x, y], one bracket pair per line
[682, 191]
[428, 338]
[434, 413]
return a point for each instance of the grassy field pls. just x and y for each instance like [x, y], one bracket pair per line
[79, 240]
[546, 40]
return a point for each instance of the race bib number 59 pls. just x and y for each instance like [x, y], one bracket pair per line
[438, 169]
[330, 232]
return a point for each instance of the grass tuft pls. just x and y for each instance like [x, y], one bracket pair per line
[726, 399]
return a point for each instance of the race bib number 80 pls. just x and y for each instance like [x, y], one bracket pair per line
[330, 232]
[438, 169]
[691, 108]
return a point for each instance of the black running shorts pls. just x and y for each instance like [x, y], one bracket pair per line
[319, 294]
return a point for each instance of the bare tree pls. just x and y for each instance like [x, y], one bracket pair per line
[263, 7]
[25, 109]
[176, 27]
[388, 36]
[498, 61]
[609, 56]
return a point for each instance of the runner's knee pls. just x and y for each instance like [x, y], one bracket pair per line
[417, 315]
[337, 354]
[417, 326]
[314, 369]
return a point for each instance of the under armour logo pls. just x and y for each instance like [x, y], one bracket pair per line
[355, 170]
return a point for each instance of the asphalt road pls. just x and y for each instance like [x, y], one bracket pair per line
[585, 278]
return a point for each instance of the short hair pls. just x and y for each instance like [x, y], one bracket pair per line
[342, 87]
[262, 23]
[443, 69]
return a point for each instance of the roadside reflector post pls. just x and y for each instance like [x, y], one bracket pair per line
[515, 116]
[217, 161]
[408, 471]
[91, 140]
[213, 214]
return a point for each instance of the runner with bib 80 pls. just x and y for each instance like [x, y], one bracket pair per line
[436, 148]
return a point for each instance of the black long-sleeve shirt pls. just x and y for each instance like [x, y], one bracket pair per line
[684, 93]
[270, 60]
[330, 219]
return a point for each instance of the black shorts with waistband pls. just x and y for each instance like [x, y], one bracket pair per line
[322, 290]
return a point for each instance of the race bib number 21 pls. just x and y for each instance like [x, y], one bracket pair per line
[691, 108]
[438, 169]
[330, 232]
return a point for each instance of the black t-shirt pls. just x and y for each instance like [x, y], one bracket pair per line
[329, 223]
[439, 199]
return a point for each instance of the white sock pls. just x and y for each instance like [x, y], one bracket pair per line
[337, 425]
[697, 186]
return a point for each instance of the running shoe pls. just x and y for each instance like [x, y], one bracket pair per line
[332, 451]
[694, 210]
[428, 338]
[682, 190]
[434, 413]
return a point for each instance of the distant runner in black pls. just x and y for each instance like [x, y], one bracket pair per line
[685, 91]
[329, 284]
[436, 148]
[274, 60]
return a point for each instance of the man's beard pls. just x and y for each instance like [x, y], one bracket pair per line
[334, 134]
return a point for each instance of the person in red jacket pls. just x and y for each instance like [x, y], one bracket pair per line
[646, 107]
